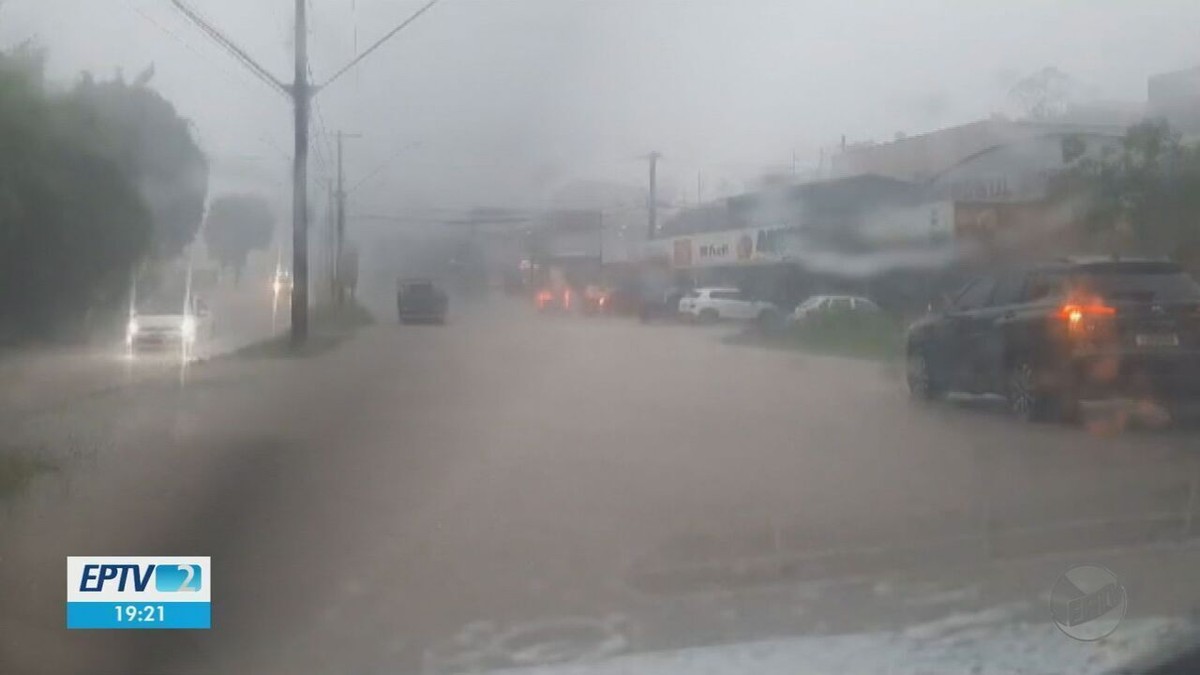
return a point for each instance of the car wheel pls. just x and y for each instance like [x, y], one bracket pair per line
[921, 384]
[708, 315]
[1030, 400]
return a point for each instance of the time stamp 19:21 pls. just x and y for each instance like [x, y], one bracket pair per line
[139, 592]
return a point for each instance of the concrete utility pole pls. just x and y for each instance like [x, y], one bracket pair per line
[652, 231]
[301, 92]
[340, 237]
[300, 102]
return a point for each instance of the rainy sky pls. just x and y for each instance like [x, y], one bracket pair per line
[509, 98]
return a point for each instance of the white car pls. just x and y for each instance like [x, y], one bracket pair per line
[165, 323]
[832, 303]
[712, 304]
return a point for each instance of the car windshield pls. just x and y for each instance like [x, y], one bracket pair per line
[549, 337]
[164, 303]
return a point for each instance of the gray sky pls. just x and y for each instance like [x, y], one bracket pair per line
[510, 97]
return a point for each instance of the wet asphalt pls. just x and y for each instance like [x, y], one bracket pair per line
[513, 489]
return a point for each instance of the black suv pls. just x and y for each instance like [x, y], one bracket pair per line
[418, 300]
[1049, 336]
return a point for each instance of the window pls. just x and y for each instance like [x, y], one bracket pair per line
[1145, 282]
[725, 295]
[975, 295]
[840, 304]
[1009, 289]
[812, 303]
[1043, 284]
[865, 305]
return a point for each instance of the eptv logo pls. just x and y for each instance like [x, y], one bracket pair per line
[185, 578]
[139, 592]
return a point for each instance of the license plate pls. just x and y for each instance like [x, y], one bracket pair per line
[1157, 340]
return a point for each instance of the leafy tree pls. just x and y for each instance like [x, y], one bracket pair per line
[1044, 95]
[153, 146]
[1144, 198]
[72, 224]
[238, 224]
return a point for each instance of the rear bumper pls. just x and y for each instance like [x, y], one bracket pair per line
[1167, 375]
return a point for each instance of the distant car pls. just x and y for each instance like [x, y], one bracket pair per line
[1049, 336]
[282, 282]
[170, 321]
[555, 299]
[819, 304]
[595, 300]
[419, 300]
[713, 304]
[656, 303]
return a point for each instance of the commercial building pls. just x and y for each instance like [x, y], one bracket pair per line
[894, 215]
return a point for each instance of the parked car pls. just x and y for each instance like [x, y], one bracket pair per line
[713, 304]
[659, 303]
[554, 299]
[419, 300]
[1052, 335]
[819, 304]
[595, 300]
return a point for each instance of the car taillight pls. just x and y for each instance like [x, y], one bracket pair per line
[1082, 318]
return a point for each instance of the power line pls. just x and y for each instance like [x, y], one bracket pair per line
[184, 43]
[259, 71]
[379, 43]
[327, 149]
[383, 165]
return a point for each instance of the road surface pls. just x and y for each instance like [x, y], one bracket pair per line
[44, 379]
[513, 490]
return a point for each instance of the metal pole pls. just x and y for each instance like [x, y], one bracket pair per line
[331, 238]
[340, 239]
[653, 231]
[300, 100]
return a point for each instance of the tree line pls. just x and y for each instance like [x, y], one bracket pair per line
[97, 181]
[1141, 196]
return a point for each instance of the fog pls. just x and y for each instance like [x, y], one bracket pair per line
[511, 99]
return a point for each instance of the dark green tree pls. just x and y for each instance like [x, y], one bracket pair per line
[154, 147]
[1144, 198]
[72, 224]
[238, 224]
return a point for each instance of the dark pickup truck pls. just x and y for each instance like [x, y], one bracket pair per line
[419, 300]
[1048, 336]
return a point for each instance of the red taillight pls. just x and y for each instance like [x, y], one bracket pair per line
[1086, 320]
[603, 300]
[1074, 313]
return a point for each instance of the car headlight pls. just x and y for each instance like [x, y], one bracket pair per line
[188, 327]
[131, 329]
